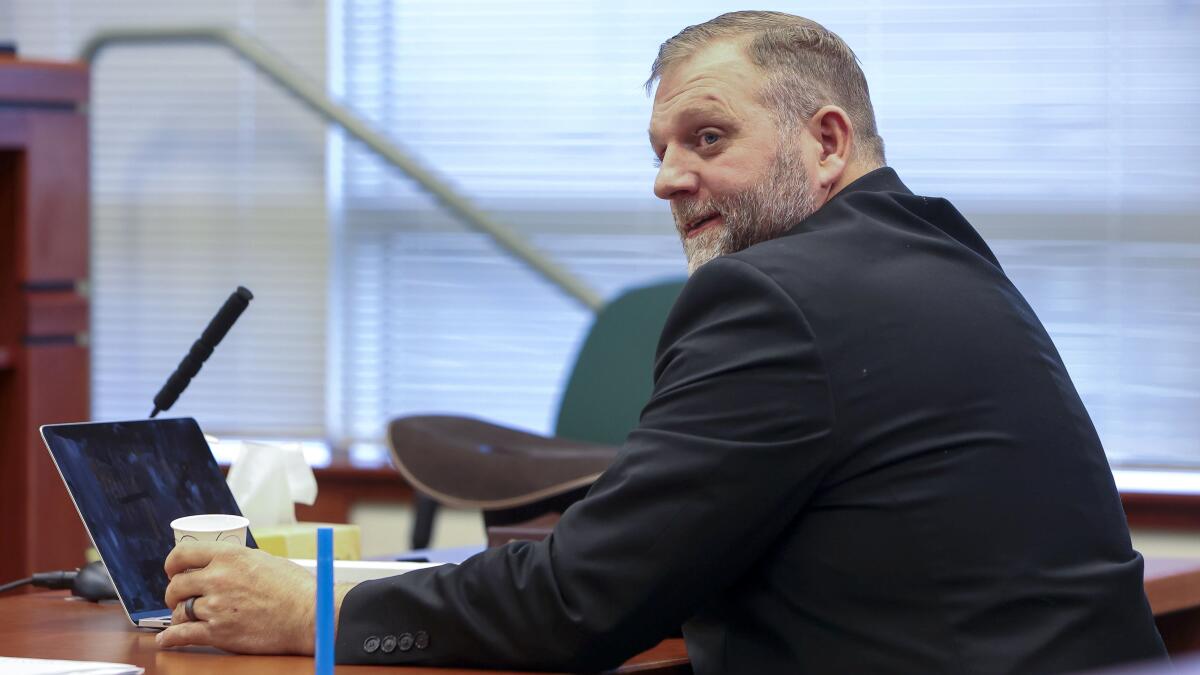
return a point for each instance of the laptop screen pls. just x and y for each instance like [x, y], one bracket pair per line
[129, 480]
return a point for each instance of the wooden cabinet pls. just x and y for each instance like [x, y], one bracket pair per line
[44, 368]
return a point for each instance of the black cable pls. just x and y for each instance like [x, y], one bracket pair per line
[56, 580]
[15, 584]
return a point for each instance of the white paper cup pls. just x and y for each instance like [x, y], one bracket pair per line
[210, 527]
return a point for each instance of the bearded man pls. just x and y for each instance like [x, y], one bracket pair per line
[862, 453]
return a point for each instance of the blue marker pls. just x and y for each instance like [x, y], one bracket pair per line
[324, 639]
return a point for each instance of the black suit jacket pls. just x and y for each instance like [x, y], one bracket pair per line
[862, 454]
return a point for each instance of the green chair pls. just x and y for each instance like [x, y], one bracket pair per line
[514, 476]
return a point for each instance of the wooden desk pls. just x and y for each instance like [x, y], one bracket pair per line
[48, 625]
[51, 626]
[344, 482]
[1173, 589]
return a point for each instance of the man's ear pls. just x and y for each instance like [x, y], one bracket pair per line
[834, 135]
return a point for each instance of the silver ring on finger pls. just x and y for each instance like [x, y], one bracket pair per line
[189, 608]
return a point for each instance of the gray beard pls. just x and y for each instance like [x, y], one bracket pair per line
[764, 211]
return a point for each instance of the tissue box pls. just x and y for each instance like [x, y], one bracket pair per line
[299, 540]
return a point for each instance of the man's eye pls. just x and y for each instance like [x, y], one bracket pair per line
[709, 138]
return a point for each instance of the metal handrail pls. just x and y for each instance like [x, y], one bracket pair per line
[313, 96]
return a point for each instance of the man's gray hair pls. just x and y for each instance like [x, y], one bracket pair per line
[807, 66]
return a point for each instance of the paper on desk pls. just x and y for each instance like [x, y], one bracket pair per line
[358, 571]
[19, 666]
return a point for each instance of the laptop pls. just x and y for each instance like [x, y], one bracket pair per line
[129, 480]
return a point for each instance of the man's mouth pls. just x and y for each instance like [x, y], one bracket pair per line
[698, 225]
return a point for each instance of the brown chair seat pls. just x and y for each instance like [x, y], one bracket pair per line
[469, 463]
[513, 476]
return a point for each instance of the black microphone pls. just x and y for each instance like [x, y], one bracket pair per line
[202, 349]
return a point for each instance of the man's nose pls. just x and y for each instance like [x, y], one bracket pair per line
[676, 177]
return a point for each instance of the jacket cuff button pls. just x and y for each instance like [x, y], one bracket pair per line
[406, 642]
[421, 640]
[388, 644]
[371, 644]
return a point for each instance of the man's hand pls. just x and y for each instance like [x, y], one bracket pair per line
[247, 601]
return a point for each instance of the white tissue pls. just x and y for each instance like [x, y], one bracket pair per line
[267, 480]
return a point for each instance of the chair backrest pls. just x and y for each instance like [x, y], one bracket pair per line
[613, 373]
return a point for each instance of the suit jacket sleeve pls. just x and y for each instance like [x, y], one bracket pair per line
[728, 450]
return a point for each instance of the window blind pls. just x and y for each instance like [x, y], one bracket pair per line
[1064, 130]
[204, 177]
